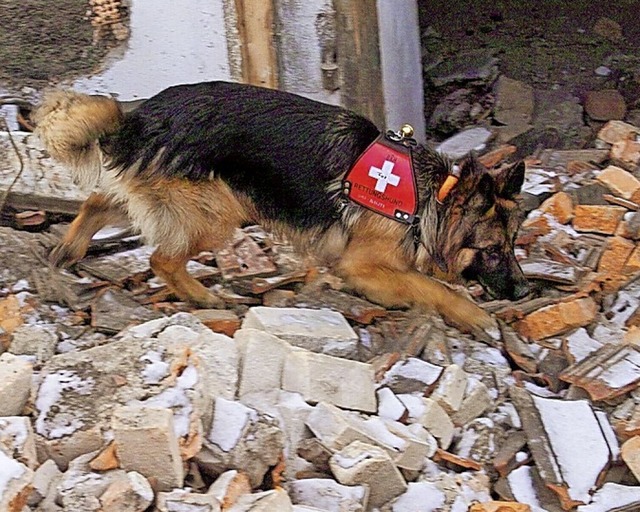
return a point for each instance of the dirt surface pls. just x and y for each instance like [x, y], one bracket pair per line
[549, 44]
[43, 42]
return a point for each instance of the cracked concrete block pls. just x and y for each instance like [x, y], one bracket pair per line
[389, 405]
[318, 330]
[476, 401]
[327, 494]
[15, 384]
[44, 480]
[449, 392]
[322, 378]
[412, 375]
[18, 441]
[182, 500]
[174, 362]
[36, 341]
[228, 487]
[130, 494]
[335, 427]
[262, 357]
[80, 488]
[231, 443]
[15, 484]
[146, 442]
[432, 416]
[292, 412]
[267, 501]
[364, 464]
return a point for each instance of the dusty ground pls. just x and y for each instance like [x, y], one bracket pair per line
[549, 44]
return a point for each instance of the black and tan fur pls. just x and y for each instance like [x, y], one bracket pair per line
[196, 161]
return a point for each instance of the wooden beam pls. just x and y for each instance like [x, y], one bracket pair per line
[359, 58]
[256, 29]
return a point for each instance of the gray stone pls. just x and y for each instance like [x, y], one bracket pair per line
[473, 65]
[514, 102]
[318, 330]
[463, 143]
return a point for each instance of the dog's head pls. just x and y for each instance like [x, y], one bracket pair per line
[478, 222]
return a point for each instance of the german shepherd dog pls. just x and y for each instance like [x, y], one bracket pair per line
[195, 162]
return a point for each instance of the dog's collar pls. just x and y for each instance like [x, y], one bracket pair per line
[383, 179]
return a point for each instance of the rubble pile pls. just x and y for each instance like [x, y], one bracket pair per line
[300, 396]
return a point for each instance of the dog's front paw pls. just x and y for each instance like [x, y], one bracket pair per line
[65, 255]
[207, 301]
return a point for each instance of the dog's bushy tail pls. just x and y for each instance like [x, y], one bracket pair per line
[70, 124]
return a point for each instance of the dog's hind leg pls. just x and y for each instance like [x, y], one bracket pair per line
[96, 212]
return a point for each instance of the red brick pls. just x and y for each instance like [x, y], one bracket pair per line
[559, 205]
[615, 255]
[558, 318]
[597, 218]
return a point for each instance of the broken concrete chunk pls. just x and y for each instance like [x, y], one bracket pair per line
[322, 378]
[15, 484]
[318, 330]
[262, 358]
[146, 442]
[15, 384]
[610, 371]
[44, 478]
[412, 375]
[477, 400]
[228, 487]
[80, 488]
[389, 405]
[566, 442]
[336, 428]
[612, 497]
[451, 387]
[364, 464]
[182, 500]
[578, 345]
[267, 501]
[432, 416]
[130, 494]
[17, 440]
[327, 494]
[463, 143]
[36, 341]
[231, 443]
[171, 362]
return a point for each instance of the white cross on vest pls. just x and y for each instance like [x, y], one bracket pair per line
[384, 176]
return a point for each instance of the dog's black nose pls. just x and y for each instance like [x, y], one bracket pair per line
[521, 290]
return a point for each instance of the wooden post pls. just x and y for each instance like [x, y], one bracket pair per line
[256, 29]
[359, 58]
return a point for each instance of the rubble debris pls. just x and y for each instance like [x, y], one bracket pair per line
[607, 372]
[145, 442]
[363, 464]
[567, 444]
[242, 257]
[15, 384]
[322, 331]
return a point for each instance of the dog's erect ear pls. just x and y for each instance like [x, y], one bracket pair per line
[482, 196]
[509, 180]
